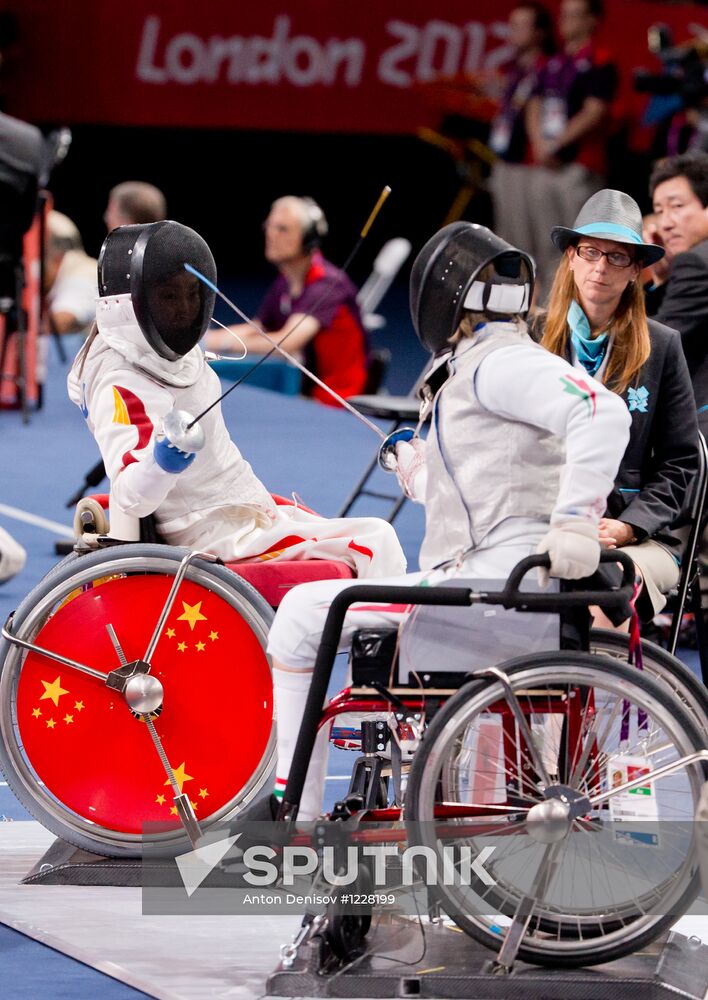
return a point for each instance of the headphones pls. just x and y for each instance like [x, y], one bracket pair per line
[315, 228]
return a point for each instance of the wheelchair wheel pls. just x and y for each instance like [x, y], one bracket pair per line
[73, 752]
[348, 924]
[662, 667]
[575, 891]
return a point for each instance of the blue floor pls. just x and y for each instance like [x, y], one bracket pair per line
[29, 970]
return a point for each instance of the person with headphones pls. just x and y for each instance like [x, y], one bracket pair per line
[311, 294]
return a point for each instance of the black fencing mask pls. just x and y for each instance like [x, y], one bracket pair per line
[172, 306]
[445, 281]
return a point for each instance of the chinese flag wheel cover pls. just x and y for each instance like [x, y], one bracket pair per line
[88, 748]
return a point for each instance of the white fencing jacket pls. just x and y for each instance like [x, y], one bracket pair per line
[218, 504]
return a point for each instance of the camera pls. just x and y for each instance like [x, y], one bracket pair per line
[684, 68]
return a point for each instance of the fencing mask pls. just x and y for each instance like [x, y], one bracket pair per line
[172, 307]
[446, 281]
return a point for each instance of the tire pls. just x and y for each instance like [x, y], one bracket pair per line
[568, 927]
[95, 778]
[348, 924]
[662, 667]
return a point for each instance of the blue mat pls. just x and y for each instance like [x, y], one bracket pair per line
[31, 970]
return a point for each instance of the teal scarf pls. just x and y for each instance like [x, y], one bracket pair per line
[590, 350]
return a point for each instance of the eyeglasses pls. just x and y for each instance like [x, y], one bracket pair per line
[614, 257]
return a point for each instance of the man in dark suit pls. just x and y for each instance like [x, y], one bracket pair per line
[679, 190]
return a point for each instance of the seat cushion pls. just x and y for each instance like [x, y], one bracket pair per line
[274, 578]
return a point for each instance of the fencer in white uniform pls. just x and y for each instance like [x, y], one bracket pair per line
[139, 367]
[521, 455]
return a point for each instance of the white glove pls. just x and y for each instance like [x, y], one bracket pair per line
[574, 550]
[411, 471]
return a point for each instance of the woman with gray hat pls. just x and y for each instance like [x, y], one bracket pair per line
[596, 318]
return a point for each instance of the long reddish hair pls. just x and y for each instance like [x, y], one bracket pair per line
[630, 333]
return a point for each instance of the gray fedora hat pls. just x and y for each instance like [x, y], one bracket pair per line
[609, 215]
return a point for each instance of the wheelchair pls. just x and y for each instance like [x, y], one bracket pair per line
[148, 663]
[136, 702]
[537, 758]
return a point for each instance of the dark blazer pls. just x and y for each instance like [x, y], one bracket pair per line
[685, 308]
[661, 457]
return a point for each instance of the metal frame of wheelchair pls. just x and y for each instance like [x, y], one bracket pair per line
[688, 590]
[128, 681]
[610, 937]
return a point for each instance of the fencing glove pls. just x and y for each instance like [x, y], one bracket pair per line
[411, 471]
[574, 551]
[176, 446]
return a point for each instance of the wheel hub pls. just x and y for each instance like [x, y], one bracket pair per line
[549, 822]
[144, 693]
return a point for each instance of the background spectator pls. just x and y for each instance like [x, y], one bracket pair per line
[312, 295]
[567, 121]
[531, 34]
[69, 277]
[132, 203]
[679, 190]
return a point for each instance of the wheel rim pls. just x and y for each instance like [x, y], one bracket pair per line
[109, 795]
[603, 914]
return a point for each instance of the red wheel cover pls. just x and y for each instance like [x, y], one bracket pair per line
[94, 755]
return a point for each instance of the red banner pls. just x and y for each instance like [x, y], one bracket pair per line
[311, 66]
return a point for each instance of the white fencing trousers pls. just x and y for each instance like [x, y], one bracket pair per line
[296, 632]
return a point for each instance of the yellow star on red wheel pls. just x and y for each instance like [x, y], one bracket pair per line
[54, 691]
[213, 636]
[170, 633]
[36, 712]
[180, 776]
[51, 723]
[160, 800]
[203, 793]
[201, 646]
[192, 614]
[79, 706]
[173, 811]
[68, 718]
[181, 646]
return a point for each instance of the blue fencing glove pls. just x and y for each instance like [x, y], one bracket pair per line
[170, 458]
[176, 447]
